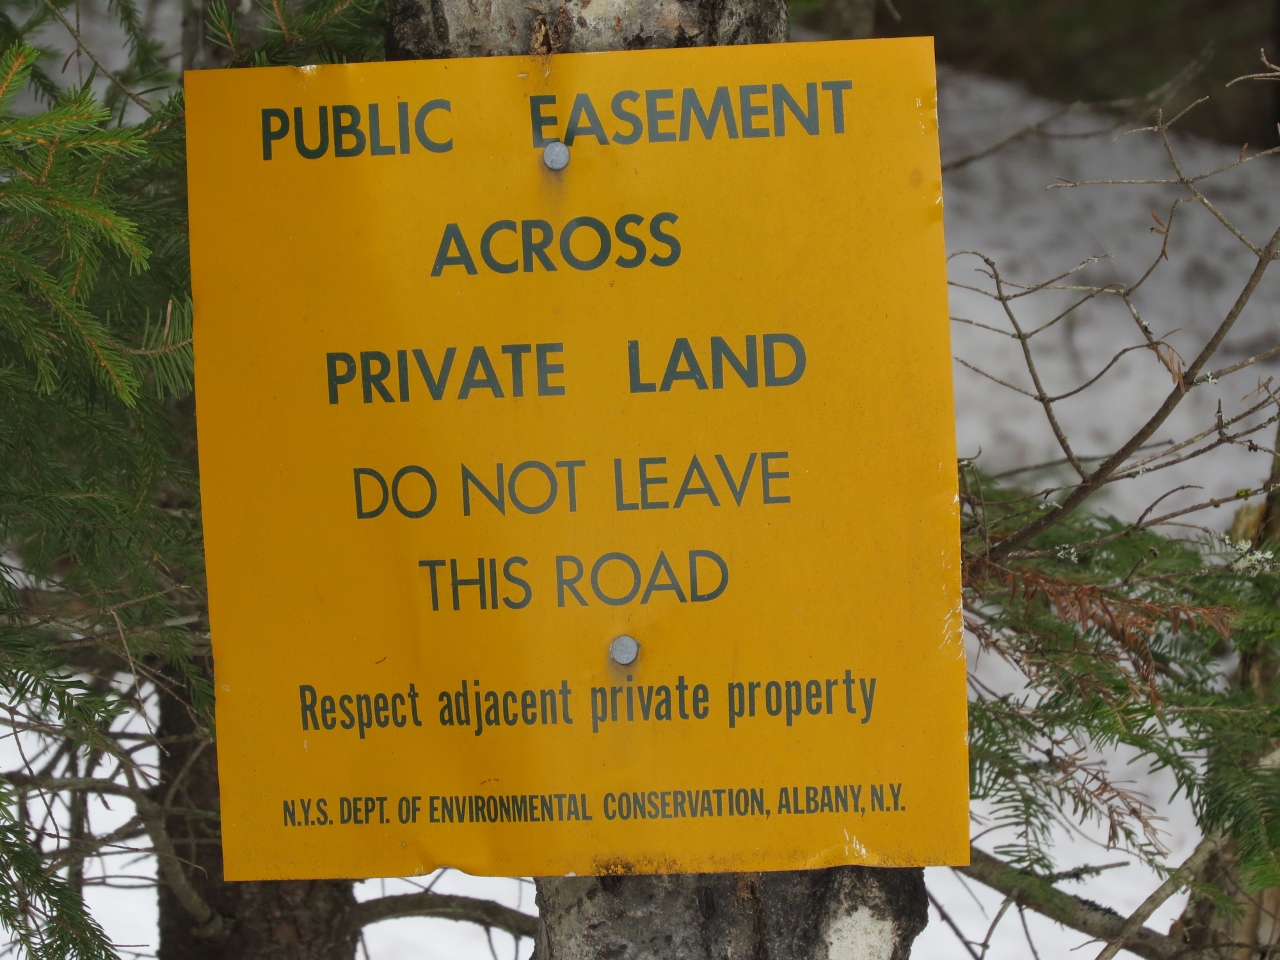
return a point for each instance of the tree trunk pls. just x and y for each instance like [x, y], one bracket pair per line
[266, 920]
[433, 29]
[844, 913]
[841, 913]
[1247, 932]
[1252, 928]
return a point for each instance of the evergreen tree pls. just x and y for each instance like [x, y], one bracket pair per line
[99, 548]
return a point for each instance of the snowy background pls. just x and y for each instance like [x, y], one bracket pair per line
[1000, 206]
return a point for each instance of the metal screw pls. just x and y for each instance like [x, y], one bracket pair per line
[555, 155]
[624, 650]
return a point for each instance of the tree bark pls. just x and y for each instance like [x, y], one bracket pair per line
[840, 913]
[1247, 932]
[434, 29]
[266, 920]
[1252, 928]
[843, 913]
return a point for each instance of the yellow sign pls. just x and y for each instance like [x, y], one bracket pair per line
[467, 422]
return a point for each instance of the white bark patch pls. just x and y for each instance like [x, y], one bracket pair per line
[860, 936]
[504, 27]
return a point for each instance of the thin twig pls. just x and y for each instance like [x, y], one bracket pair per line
[80, 44]
[1130, 105]
[1172, 884]
[946, 918]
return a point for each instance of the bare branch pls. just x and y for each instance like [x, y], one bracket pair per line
[211, 924]
[946, 918]
[1272, 72]
[1034, 892]
[486, 913]
[1227, 371]
[1172, 884]
[1041, 395]
[75, 35]
[1094, 481]
[1129, 108]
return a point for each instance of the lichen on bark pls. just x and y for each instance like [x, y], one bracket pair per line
[838, 913]
[434, 29]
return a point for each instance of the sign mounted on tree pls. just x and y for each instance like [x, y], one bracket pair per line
[578, 464]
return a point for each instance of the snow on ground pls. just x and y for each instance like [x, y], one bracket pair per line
[1002, 207]
[999, 205]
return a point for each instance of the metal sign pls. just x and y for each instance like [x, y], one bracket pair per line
[578, 466]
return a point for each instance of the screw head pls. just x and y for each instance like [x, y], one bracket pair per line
[555, 155]
[624, 650]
